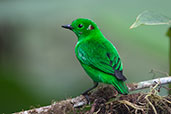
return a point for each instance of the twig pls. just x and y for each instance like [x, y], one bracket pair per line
[136, 107]
[153, 91]
[147, 84]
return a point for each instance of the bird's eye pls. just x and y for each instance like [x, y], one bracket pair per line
[80, 25]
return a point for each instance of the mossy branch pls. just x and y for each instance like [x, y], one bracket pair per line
[104, 94]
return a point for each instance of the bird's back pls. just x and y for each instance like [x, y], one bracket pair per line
[96, 50]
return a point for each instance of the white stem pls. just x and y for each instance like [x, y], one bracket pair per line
[148, 83]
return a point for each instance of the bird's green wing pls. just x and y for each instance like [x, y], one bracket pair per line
[102, 56]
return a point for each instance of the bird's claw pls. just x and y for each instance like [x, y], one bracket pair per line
[87, 98]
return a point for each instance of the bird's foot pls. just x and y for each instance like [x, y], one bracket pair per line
[87, 98]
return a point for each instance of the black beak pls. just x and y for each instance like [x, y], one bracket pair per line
[67, 27]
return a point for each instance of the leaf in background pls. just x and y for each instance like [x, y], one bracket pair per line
[150, 18]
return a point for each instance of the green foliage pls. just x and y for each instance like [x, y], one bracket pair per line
[150, 18]
[169, 35]
[169, 32]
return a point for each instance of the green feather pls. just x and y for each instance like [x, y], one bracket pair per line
[120, 86]
[97, 55]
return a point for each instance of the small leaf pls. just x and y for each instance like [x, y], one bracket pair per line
[150, 18]
[169, 33]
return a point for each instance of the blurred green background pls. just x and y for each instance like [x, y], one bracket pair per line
[37, 60]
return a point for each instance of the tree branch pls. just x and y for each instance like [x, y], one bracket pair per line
[81, 101]
[148, 83]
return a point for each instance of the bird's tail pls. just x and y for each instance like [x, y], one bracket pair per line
[120, 86]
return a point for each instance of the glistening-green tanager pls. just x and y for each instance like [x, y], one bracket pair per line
[97, 55]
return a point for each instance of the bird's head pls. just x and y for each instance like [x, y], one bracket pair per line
[82, 27]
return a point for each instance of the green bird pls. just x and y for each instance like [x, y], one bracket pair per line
[97, 55]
